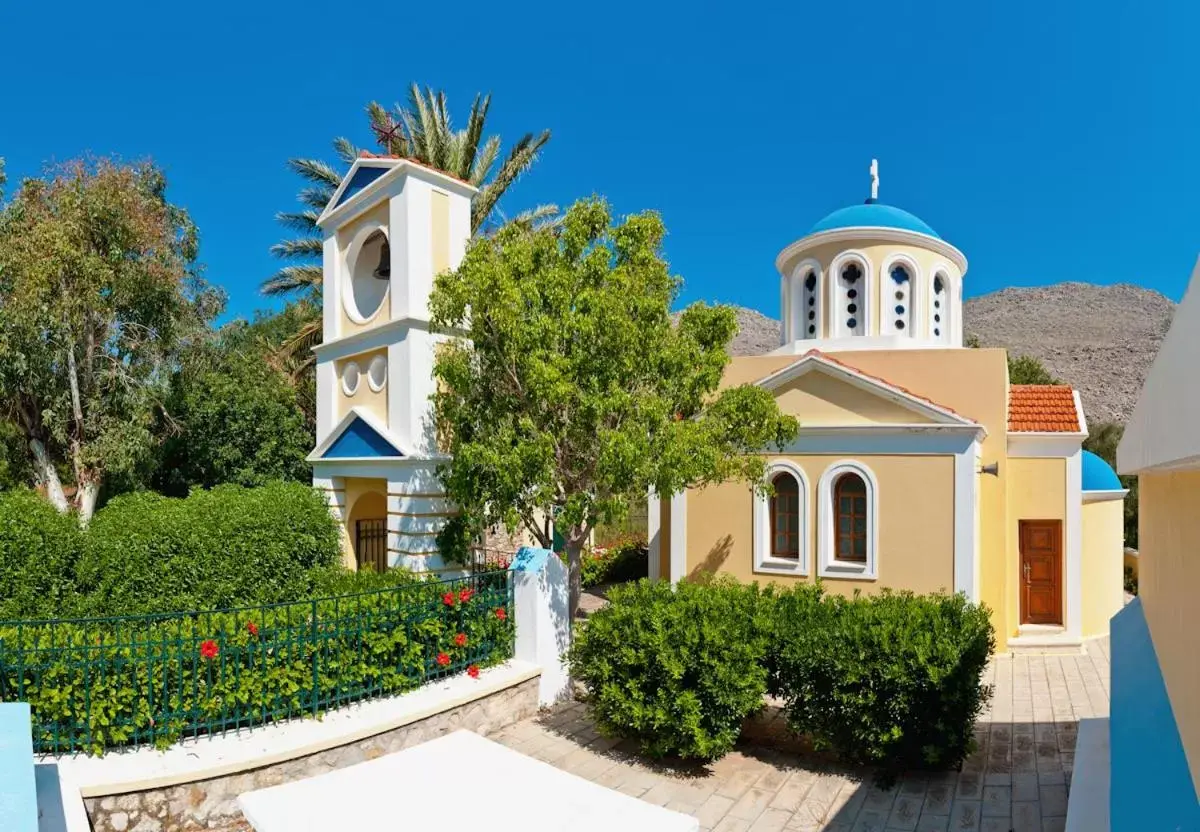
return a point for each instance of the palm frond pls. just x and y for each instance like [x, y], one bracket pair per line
[299, 247]
[303, 221]
[316, 171]
[316, 198]
[346, 150]
[293, 279]
[474, 133]
[520, 158]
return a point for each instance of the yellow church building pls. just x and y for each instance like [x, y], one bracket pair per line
[917, 464]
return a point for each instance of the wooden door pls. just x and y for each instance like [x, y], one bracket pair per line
[1041, 571]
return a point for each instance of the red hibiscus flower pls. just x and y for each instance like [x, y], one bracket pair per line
[443, 659]
[209, 649]
[466, 594]
[448, 599]
[460, 640]
[501, 613]
[473, 671]
[252, 627]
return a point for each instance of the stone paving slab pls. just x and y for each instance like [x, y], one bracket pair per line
[1016, 781]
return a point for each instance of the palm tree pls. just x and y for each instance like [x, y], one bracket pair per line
[423, 132]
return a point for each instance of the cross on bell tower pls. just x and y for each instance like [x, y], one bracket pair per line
[874, 182]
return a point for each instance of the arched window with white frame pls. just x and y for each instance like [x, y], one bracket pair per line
[940, 308]
[806, 308]
[781, 530]
[848, 530]
[850, 312]
[897, 297]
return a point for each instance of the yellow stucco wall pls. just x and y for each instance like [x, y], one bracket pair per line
[664, 537]
[364, 398]
[974, 383]
[1037, 490]
[1103, 583]
[1168, 584]
[366, 499]
[440, 230]
[347, 235]
[820, 399]
[915, 534]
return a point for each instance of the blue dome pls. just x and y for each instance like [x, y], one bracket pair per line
[873, 215]
[1098, 475]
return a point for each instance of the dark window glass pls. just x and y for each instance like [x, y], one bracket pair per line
[850, 507]
[785, 517]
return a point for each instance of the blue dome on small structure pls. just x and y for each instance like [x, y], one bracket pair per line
[1098, 475]
[873, 215]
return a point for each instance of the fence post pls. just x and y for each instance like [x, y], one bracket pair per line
[316, 662]
[540, 601]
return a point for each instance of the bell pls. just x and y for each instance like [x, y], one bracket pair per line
[384, 270]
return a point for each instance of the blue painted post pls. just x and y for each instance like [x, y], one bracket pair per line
[18, 792]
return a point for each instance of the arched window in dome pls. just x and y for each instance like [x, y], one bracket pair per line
[810, 305]
[898, 292]
[940, 309]
[850, 311]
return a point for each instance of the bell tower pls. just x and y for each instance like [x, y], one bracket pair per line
[391, 227]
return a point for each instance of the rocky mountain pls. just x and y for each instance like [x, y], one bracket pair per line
[1099, 339]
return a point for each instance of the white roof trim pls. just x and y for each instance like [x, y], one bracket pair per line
[1098, 496]
[886, 390]
[353, 205]
[884, 233]
[356, 413]
[1079, 417]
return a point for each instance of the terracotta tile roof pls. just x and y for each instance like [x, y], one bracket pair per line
[825, 357]
[1042, 408]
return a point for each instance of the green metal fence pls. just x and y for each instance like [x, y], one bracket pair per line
[102, 683]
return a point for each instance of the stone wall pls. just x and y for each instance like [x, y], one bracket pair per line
[212, 804]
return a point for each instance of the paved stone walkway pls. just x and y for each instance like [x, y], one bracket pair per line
[1015, 782]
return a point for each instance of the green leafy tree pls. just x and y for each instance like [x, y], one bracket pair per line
[100, 293]
[421, 131]
[1022, 369]
[1102, 440]
[575, 395]
[1025, 369]
[239, 423]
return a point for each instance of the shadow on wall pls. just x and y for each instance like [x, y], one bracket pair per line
[715, 558]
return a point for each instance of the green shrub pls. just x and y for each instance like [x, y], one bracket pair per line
[891, 681]
[98, 684]
[625, 559]
[676, 669]
[231, 546]
[39, 548]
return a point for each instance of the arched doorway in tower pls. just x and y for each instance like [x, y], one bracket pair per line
[366, 526]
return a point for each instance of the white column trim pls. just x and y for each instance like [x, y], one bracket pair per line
[678, 536]
[966, 549]
[1074, 545]
[654, 535]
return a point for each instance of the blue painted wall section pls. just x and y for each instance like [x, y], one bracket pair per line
[1151, 786]
[361, 441]
[362, 178]
[18, 790]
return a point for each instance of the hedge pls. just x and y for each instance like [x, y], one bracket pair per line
[676, 670]
[39, 550]
[625, 559]
[892, 681]
[96, 684]
[230, 546]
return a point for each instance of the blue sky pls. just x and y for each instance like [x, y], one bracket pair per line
[1049, 141]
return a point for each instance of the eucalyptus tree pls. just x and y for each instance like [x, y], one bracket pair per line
[100, 294]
